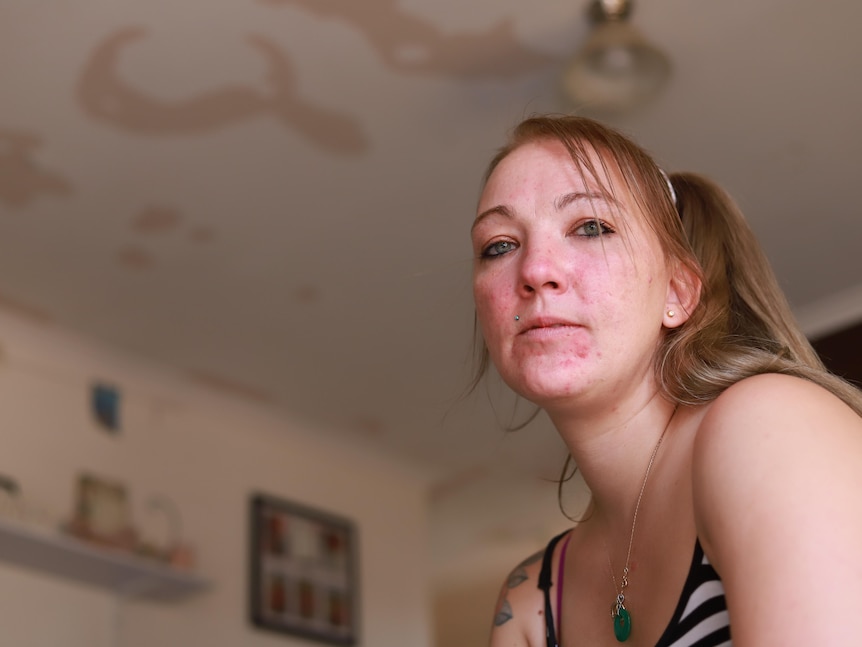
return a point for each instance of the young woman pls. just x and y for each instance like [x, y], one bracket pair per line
[724, 462]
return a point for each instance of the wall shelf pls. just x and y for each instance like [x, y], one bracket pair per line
[114, 570]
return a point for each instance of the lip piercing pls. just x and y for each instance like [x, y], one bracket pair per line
[517, 318]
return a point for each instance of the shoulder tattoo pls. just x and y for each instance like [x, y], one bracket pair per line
[517, 577]
[519, 574]
[504, 613]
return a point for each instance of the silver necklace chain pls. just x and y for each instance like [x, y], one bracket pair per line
[624, 581]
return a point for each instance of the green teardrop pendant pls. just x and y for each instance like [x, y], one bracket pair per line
[622, 624]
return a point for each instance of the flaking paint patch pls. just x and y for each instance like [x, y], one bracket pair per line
[202, 234]
[159, 221]
[107, 97]
[26, 310]
[135, 258]
[370, 426]
[22, 180]
[156, 220]
[411, 45]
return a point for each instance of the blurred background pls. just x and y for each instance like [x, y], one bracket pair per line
[251, 218]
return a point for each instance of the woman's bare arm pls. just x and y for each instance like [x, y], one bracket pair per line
[778, 499]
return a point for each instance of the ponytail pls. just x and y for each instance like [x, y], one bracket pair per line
[743, 325]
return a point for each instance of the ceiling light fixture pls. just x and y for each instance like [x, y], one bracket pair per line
[617, 69]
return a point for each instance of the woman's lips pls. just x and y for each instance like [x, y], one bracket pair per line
[548, 328]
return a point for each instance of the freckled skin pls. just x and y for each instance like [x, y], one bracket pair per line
[609, 291]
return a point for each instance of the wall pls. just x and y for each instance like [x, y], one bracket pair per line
[207, 452]
[841, 351]
[463, 613]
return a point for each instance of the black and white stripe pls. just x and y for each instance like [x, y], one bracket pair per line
[700, 619]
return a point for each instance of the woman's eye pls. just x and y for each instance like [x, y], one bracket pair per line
[498, 249]
[593, 228]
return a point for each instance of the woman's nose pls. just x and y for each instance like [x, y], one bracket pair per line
[541, 269]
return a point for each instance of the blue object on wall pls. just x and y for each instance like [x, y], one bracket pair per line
[106, 406]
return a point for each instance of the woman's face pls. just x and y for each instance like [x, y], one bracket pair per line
[565, 312]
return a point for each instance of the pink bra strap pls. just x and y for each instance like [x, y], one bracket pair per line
[560, 569]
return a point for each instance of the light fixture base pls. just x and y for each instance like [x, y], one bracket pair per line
[617, 69]
[601, 11]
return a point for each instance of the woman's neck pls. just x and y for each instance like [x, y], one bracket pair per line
[612, 452]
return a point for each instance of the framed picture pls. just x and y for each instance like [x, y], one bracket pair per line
[303, 571]
[102, 512]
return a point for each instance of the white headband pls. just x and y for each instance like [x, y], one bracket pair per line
[669, 187]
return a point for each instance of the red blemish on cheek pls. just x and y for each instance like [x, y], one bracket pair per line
[576, 355]
[582, 351]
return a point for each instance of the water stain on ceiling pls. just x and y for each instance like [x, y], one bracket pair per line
[22, 179]
[107, 97]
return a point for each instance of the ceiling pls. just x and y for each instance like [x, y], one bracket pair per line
[274, 196]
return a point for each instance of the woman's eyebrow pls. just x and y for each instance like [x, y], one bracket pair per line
[500, 209]
[598, 196]
[559, 204]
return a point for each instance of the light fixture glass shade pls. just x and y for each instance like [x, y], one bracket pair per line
[617, 69]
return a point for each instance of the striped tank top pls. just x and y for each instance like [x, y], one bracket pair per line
[700, 618]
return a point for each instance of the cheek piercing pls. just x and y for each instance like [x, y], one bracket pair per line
[517, 318]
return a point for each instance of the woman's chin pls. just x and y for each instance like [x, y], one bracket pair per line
[545, 391]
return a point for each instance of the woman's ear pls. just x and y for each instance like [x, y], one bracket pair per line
[683, 295]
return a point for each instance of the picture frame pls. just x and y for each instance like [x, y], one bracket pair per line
[102, 512]
[303, 571]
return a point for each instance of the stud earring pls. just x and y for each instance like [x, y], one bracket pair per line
[671, 313]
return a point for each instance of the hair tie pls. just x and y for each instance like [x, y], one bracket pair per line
[669, 187]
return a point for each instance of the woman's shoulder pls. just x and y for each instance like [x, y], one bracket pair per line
[772, 444]
[519, 615]
[773, 384]
[761, 407]
[773, 422]
[776, 470]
